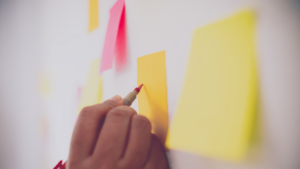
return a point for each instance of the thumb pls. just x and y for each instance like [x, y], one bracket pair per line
[114, 101]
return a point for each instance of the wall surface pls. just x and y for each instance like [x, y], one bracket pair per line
[61, 47]
[21, 144]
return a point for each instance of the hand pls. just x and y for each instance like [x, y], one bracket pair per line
[111, 136]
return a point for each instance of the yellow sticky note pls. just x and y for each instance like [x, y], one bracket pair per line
[152, 99]
[215, 113]
[92, 91]
[93, 15]
[45, 85]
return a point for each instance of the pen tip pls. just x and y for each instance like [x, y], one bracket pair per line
[138, 88]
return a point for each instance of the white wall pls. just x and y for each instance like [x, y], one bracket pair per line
[21, 144]
[67, 49]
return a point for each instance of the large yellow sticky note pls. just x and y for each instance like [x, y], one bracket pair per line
[152, 99]
[92, 91]
[93, 15]
[215, 113]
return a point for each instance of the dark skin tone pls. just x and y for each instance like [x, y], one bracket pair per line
[112, 136]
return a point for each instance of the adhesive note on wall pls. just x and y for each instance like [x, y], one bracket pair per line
[117, 16]
[121, 44]
[152, 100]
[45, 85]
[215, 113]
[92, 91]
[93, 15]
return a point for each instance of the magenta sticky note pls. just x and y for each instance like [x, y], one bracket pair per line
[111, 35]
[121, 44]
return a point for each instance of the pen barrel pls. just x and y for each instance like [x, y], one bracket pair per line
[127, 101]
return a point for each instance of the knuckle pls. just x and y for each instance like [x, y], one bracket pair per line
[117, 113]
[142, 122]
[120, 112]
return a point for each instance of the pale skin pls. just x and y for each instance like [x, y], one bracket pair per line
[112, 136]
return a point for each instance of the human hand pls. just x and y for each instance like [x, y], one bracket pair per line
[112, 136]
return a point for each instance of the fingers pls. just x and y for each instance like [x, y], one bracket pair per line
[138, 143]
[157, 157]
[87, 128]
[124, 141]
[113, 135]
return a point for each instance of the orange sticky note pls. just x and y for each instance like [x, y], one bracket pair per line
[152, 99]
[93, 15]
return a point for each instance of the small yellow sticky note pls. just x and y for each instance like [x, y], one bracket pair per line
[92, 91]
[152, 99]
[215, 113]
[45, 85]
[93, 15]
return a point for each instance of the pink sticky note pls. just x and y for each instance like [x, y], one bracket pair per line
[121, 44]
[111, 35]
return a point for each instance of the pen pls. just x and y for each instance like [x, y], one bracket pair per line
[128, 100]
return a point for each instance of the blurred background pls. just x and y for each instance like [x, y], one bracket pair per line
[46, 51]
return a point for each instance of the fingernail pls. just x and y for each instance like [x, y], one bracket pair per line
[117, 99]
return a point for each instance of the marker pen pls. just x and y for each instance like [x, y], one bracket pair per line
[128, 100]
